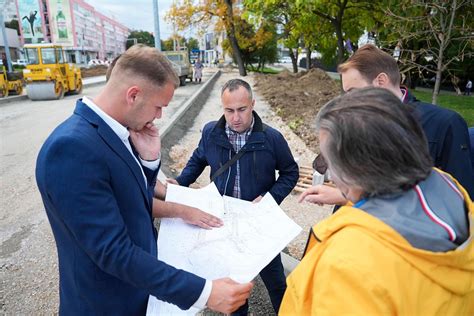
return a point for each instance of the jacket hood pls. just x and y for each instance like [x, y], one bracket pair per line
[453, 270]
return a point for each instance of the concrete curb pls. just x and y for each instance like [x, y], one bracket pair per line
[177, 126]
[198, 98]
[12, 99]
[22, 97]
[92, 84]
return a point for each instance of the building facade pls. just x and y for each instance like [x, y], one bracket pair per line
[9, 10]
[13, 44]
[84, 32]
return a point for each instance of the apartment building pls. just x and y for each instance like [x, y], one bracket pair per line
[84, 32]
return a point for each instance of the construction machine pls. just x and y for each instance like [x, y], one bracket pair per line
[48, 76]
[181, 64]
[10, 82]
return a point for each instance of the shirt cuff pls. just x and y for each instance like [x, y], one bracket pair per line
[206, 292]
[152, 165]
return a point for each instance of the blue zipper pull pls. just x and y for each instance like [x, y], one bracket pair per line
[360, 203]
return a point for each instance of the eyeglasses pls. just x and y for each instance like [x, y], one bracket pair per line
[319, 164]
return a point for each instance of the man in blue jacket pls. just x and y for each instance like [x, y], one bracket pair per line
[445, 130]
[260, 150]
[96, 173]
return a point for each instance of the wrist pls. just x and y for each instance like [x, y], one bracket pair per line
[178, 210]
[150, 158]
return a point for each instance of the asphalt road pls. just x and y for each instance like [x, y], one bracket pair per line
[28, 258]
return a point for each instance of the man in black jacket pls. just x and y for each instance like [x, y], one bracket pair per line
[445, 130]
[256, 151]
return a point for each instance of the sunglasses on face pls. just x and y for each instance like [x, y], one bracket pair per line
[319, 164]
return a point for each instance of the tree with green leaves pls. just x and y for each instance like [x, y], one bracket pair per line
[167, 44]
[266, 43]
[175, 42]
[140, 37]
[186, 13]
[310, 30]
[347, 18]
[257, 47]
[283, 15]
[192, 43]
[434, 36]
[322, 25]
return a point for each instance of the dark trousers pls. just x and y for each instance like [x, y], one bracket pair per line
[275, 281]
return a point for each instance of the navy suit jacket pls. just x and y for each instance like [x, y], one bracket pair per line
[99, 209]
[448, 140]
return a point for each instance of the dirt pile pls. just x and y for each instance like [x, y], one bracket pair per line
[100, 70]
[297, 98]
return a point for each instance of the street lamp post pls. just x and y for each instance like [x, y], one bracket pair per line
[83, 55]
[157, 25]
[8, 66]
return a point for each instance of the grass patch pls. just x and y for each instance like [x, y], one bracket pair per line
[295, 124]
[266, 70]
[462, 104]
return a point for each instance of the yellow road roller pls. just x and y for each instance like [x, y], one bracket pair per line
[48, 76]
[10, 82]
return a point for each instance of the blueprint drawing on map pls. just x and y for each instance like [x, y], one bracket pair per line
[252, 235]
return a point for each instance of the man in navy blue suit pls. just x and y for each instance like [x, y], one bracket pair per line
[96, 173]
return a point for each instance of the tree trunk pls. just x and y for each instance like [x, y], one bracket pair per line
[439, 69]
[230, 28]
[308, 58]
[294, 60]
[443, 43]
[340, 41]
[337, 23]
[455, 82]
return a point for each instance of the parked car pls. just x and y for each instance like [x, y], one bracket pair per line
[285, 60]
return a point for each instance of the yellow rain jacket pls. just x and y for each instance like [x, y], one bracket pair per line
[355, 264]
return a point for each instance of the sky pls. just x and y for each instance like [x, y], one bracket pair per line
[137, 14]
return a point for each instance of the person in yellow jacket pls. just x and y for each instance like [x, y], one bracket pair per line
[404, 246]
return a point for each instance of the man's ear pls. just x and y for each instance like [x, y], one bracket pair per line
[381, 81]
[131, 95]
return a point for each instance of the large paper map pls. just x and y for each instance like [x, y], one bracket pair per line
[252, 235]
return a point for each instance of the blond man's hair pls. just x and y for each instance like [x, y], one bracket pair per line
[146, 63]
[370, 61]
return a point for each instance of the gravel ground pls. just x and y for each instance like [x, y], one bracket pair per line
[306, 215]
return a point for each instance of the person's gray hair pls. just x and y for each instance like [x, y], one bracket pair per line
[374, 142]
[234, 84]
[147, 63]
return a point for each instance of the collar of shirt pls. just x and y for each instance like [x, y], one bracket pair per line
[122, 132]
[236, 139]
[230, 131]
[118, 128]
[404, 94]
